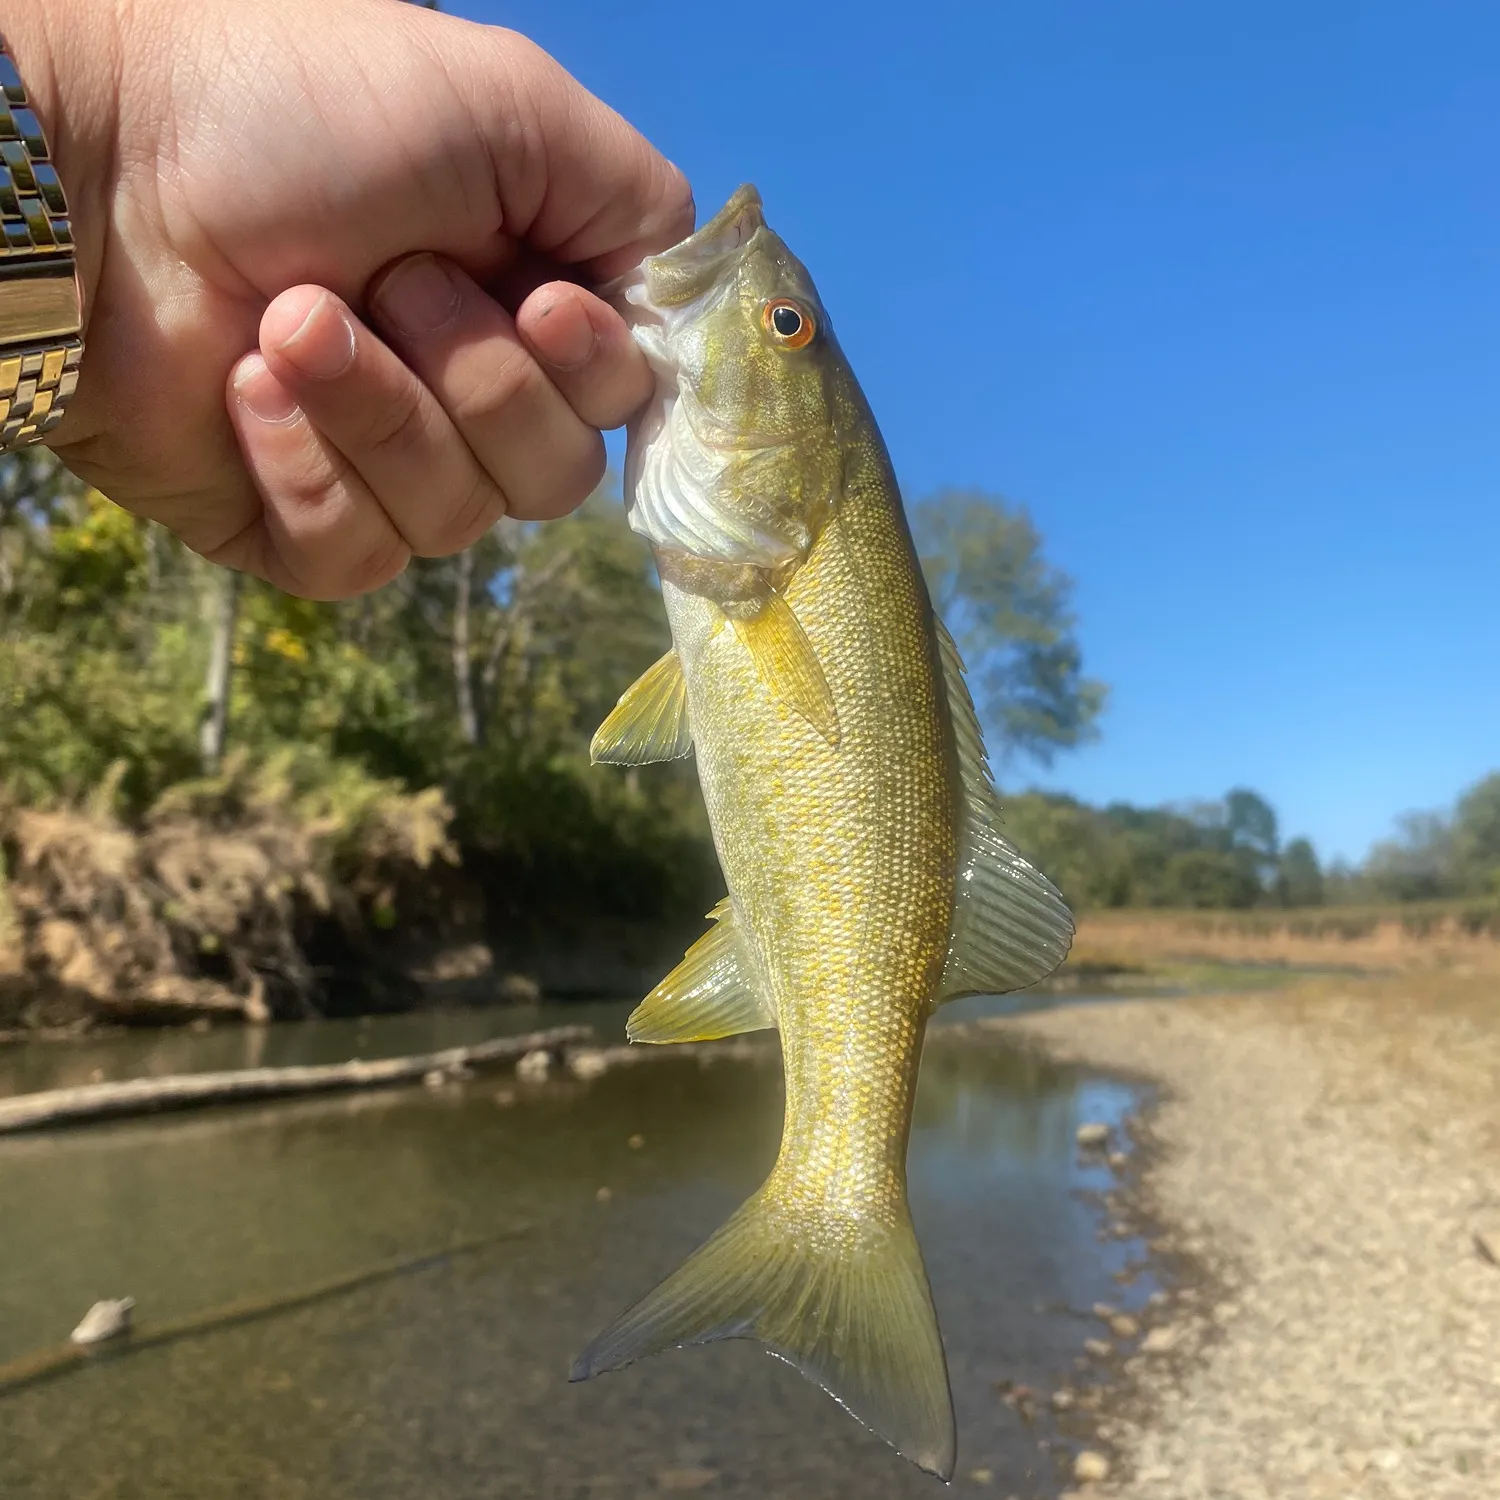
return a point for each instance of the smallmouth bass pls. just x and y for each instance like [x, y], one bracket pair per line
[852, 808]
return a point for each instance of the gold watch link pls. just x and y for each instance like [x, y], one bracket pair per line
[41, 313]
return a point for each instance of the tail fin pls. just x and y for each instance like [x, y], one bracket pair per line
[847, 1303]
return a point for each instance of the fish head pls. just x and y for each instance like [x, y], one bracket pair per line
[737, 457]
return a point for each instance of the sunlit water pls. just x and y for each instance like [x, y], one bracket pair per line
[450, 1382]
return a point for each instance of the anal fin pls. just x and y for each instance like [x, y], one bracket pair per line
[787, 664]
[711, 993]
[650, 721]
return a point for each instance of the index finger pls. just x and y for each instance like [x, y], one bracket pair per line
[577, 182]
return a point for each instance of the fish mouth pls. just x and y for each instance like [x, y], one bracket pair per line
[673, 279]
[725, 233]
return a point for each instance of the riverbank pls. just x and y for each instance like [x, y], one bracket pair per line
[1325, 1166]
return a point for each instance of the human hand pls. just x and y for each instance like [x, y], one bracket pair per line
[320, 250]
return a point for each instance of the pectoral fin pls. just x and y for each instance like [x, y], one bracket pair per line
[650, 721]
[711, 993]
[1011, 926]
[787, 664]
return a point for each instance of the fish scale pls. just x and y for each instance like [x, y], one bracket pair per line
[844, 775]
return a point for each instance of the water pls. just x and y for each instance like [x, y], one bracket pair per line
[449, 1382]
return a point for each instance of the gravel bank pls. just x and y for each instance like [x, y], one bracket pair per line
[1329, 1164]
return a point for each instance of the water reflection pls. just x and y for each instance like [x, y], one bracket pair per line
[450, 1383]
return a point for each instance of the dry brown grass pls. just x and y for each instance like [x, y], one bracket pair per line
[208, 904]
[1457, 937]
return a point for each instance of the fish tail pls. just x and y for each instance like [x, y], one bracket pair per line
[844, 1300]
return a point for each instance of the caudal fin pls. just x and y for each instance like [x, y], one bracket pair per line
[847, 1303]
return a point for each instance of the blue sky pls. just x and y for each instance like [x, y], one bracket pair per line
[1214, 291]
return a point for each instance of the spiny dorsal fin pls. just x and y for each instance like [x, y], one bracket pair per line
[649, 722]
[1011, 926]
[711, 993]
[788, 665]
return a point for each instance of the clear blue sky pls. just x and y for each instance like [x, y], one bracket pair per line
[1214, 291]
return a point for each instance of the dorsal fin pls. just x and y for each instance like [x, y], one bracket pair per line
[711, 993]
[1011, 926]
[650, 721]
[787, 664]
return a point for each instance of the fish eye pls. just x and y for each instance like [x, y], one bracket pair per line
[789, 323]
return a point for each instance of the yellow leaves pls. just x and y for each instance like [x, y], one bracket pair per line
[284, 644]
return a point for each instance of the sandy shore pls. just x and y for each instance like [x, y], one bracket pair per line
[1326, 1166]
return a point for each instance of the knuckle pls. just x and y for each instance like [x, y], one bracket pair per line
[465, 521]
[398, 426]
[514, 380]
[376, 566]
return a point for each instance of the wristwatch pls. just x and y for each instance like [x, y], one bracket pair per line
[41, 311]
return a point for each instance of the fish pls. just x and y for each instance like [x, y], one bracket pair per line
[853, 811]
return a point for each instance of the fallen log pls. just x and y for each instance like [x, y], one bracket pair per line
[47, 1364]
[94, 1101]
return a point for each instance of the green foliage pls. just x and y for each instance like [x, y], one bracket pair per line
[1009, 610]
[1299, 881]
[1207, 855]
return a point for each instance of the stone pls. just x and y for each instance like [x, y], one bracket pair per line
[104, 1320]
[636, 1142]
[1098, 1348]
[587, 1062]
[1093, 1136]
[1063, 1399]
[1105, 1311]
[1123, 1326]
[534, 1066]
[1160, 1341]
[690, 1478]
[520, 989]
[1090, 1467]
[1118, 1161]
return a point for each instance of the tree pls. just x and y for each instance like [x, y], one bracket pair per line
[1299, 880]
[1476, 837]
[1417, 864]
[1009, 610]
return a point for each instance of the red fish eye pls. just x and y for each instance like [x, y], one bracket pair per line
[789, 323]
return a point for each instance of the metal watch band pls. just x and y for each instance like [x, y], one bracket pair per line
[41, 314]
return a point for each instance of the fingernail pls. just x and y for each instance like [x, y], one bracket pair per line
[261, 394]
[565, 342]
[321, 346]
[419, 296]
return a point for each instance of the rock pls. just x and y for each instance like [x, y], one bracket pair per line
[1098, 1348]
[1063, 1399]
[1120, 1230]
[1123, 1326]
[1158, 1299]
[1104, 1311]
[1118, 1160]
[636, 1142]
[587, 1062]
[1090, 1467]
[1160, 1341]
[686, 1478]
[520, 989]
[1092, 1136]
[534, 1066]
[104, 1320]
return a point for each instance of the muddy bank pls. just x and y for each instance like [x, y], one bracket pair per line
[1325, 1166]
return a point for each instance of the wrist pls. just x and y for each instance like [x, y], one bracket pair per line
[67, 52]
